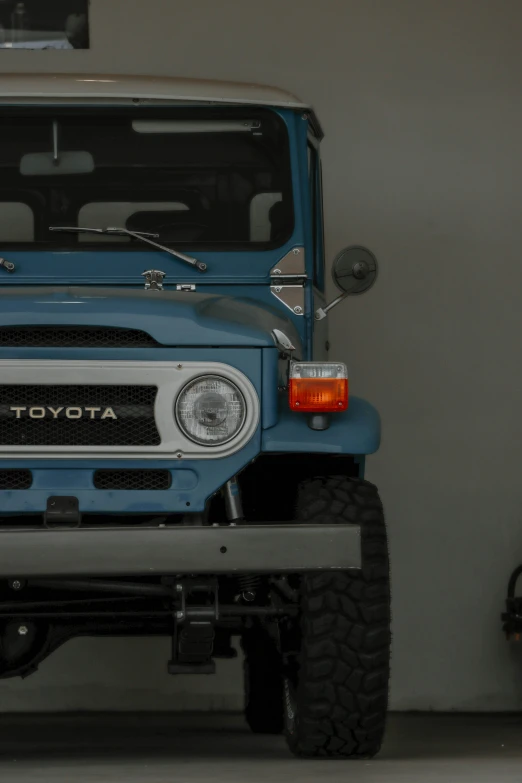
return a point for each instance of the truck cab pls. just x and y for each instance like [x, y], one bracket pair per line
[179, 452]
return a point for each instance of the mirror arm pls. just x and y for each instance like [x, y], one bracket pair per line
[322, 312]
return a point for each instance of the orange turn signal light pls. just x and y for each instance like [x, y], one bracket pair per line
[318, 387]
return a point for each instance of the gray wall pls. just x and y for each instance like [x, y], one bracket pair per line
[421, 103]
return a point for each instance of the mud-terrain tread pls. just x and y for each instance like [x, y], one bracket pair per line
[342, 693]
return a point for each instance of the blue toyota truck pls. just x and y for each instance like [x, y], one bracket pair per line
[180, 455]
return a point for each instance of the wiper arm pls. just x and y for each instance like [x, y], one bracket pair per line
[141, 235]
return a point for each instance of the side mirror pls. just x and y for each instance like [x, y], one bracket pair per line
[354, 271]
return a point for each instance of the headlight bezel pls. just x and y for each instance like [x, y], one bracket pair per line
[198, 379]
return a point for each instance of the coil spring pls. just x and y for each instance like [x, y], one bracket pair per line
[249, 583]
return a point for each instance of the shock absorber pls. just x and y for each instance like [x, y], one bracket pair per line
[233, 502]
[248, 584]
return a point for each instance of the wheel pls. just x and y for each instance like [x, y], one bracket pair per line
[336, 686]
[263, 674]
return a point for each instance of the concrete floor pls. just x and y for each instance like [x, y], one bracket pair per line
[162, 749]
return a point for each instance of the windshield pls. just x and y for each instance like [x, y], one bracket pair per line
[199, 178]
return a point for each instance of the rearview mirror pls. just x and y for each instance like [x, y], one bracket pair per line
[354, 271]
[47, 164]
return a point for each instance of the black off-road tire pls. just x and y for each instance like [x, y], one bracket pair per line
[263, 675]
[336, 701]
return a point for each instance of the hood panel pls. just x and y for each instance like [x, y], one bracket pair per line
[170, 317]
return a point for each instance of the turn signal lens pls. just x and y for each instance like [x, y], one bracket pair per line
[318, 387]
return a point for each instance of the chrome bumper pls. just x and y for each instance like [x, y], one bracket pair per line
[179, 550]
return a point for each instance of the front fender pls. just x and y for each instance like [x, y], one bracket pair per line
[355, 431]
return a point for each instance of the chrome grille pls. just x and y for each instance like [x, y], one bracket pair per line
[133, 423]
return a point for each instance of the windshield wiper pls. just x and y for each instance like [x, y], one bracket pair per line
[141, 235]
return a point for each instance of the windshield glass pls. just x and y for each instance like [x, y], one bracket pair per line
[200, 178]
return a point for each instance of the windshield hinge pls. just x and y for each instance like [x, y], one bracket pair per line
[288, 278]
[290, 267]
[154, 279]
[292, 296]
[7, 265]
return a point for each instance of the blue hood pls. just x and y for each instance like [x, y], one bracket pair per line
[170, 317]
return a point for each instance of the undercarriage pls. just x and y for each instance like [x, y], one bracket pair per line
[200, 615]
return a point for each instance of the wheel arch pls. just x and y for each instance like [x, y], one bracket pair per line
[270, 484]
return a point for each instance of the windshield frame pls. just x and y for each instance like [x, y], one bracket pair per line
[69, 243]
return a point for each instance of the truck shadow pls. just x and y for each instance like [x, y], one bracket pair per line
[190, 737]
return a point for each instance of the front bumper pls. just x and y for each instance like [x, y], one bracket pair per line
[268, 549]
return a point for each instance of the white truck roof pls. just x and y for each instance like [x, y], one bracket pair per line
[96, 88]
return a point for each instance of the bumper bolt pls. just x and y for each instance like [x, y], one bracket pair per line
[23, 630]
[179, 615]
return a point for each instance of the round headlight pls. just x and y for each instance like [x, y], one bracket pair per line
[210, 410]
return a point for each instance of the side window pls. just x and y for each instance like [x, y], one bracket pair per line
[315, 179]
